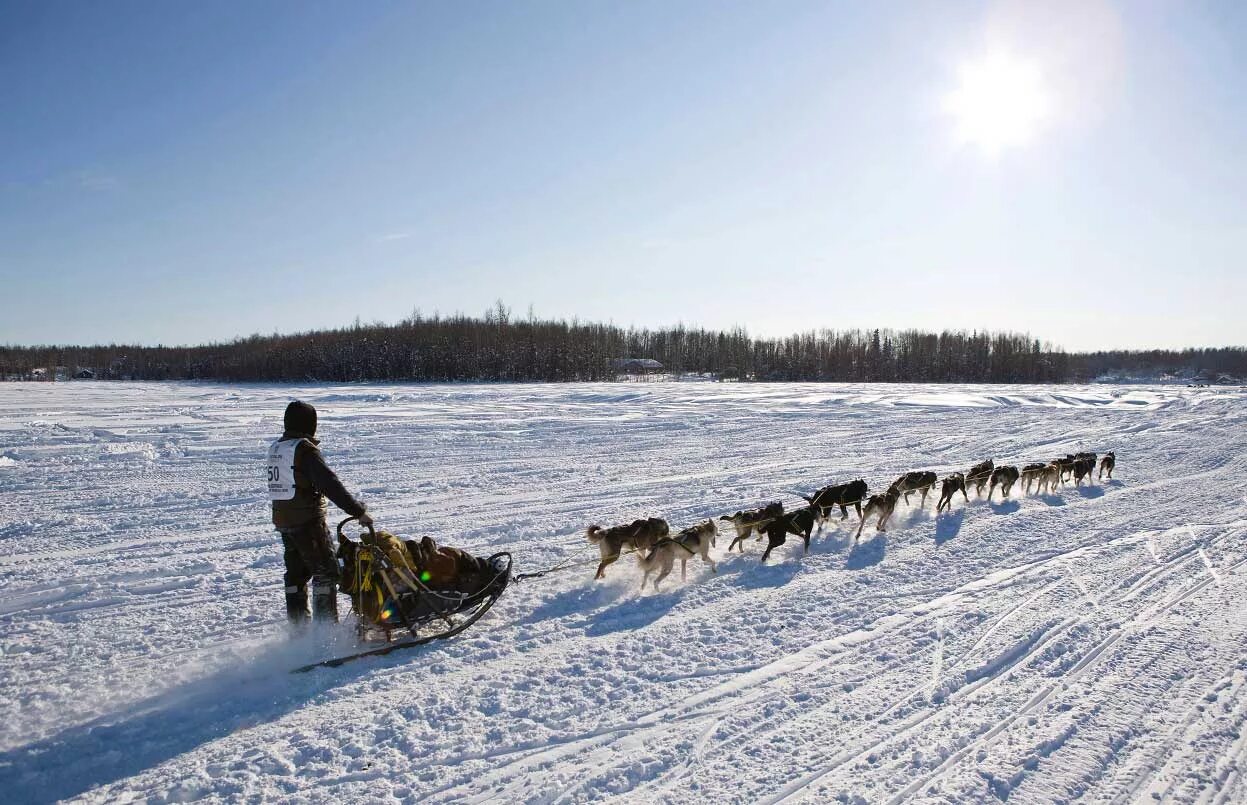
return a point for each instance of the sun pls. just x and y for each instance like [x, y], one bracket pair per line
[1001, 101]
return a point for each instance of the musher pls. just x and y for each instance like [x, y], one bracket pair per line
[299, 480]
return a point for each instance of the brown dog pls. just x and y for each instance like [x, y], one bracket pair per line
[882, 507]
[747, 522]
[915, 482]
[639, 535]
[1030, 474]
[979, 475]
[1107, 463]
[948, 487]
[1049, 477]
[1005, 477]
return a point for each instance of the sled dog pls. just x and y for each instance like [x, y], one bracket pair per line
[1030, 474]
[915, 482]
[799, 523]
[842, 495]
[1005, 478]
[1049, 477]
[746, 522]
[693, 541]
[882, 507]
[639, 535]
[950, 486]
[979, 475]
[1083, 468]
[1107, 463]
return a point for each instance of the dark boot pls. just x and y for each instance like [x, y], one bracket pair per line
[296, 605]
[325, 602]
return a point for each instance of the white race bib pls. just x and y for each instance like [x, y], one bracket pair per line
[281, 469]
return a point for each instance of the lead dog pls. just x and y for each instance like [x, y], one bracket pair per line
[640, 535]
[1107, 463]
[746, 522]
[950, 486]
[882, 507]
[693, 541]
[798, 523]
[979, 475]
[915, 482]
[1005, 477]
[842, 495]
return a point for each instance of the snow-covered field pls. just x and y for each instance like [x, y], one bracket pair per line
[1090, 644]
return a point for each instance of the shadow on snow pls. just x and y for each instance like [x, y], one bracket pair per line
[948, 525]
[868, 553]
[149, 732]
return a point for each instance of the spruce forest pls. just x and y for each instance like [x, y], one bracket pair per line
[501, 348]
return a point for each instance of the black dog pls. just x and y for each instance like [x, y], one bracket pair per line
[799, 523]
[842, 495]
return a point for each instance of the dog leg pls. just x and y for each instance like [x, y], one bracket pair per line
[767, 552]
[683, 570]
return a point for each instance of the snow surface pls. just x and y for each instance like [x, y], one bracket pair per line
[1084, 645]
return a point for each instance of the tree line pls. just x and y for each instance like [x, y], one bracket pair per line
[500, 347]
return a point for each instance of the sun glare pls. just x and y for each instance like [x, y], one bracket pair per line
[1001, 102]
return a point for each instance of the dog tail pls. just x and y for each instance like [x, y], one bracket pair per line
[594, 533]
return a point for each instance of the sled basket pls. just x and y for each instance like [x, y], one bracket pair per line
[394, 596]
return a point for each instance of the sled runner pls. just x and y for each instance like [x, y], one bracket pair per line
[407, 593]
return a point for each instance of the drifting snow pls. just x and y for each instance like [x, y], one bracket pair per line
[1081, 644]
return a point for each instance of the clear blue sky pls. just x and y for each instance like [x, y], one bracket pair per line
[185, 172]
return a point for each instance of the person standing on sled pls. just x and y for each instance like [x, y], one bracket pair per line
[299, 480]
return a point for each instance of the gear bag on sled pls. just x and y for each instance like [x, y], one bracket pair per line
[403, 585]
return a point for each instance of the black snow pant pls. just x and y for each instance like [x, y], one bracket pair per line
[309, 557]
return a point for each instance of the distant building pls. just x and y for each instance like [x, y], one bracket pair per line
[644, 367]
[637, 365]
[84, 374]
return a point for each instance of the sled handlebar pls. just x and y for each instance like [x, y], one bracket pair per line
[372, 532]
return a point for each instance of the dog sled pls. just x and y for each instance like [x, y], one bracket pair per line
[407, 593]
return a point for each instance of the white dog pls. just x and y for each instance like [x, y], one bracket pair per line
[693, 541]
